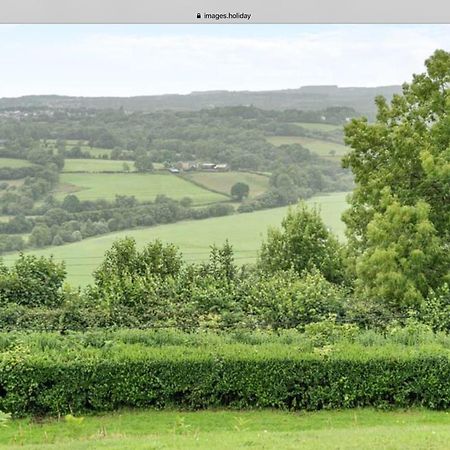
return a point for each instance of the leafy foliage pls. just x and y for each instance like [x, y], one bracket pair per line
[61, 378]
[240, 190]
[399, 221]
[32, 282]
[303, 243]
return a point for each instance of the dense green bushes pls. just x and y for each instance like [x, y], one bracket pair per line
[153, 287]
[58, 381]
[32, 282]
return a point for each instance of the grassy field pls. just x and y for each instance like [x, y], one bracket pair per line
[319, 126]
[93, 151]
[14, 163]
[228, 430]
[318, 146]
[223, 181]
[194, 238]
[90, 186]
[95, 165]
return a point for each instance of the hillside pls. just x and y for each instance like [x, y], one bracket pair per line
[305, 98]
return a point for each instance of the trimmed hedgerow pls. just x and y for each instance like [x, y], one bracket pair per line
[237, 376]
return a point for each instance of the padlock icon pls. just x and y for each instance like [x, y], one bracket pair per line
[199, 16]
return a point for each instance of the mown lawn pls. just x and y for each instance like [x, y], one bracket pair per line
[228, 430]
[244, 231]
[319, 146]
[223, 181]
[91, 186]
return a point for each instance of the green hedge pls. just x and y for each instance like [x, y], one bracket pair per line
[236, 376]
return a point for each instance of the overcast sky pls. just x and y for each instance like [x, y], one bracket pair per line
[125, 60]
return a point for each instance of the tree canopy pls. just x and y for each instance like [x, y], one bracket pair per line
[302, 244]
[398, 224]
[240, 190]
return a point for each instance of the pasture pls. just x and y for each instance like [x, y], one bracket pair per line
[325, 127]
[95, 152]
[244, 231]
[223, 181]
[96, 165]
[14, 163]
[92, 186]
[319, 146]
[228, 430]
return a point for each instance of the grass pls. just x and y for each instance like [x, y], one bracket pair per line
[244, 231]
[326, 127]
[223, 181]
[228, 430]
[319, 146]
[90, 186]
[14, 163]
[95, 165]
[97, 152]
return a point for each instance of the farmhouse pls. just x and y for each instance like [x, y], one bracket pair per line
[208, 166]
[186, 166]
[213, 167]
[222, 167]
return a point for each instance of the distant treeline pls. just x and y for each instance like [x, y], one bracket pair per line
[305, 98]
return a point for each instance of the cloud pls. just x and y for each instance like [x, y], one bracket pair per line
[136, 62]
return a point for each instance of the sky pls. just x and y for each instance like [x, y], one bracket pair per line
[127, 60]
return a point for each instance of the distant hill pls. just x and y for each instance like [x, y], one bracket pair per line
[304, 98]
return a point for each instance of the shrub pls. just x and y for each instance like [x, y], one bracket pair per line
[32, 281]
[62, 380]
[287, 300]
[329, 332]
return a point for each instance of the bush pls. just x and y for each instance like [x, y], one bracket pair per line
[435, 310]
[32, 281]
[329, 332]
[287, 300]
[302, 243]
[58, 381]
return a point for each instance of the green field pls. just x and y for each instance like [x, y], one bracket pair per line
[93, 151]
[319, 126]
[14, 163]
[321, 147]
[244, 231]
[223, 181]
[228, 430]
[91, 186]
[95, 165]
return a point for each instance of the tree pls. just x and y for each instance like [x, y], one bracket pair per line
[240, 190]
[302, 244]
[32, 281]
[401, 165]
[71, 203]
[186, 202]
[406, 149]
[143, 164]
[40, 236]
[57, 240]
[403, 256]
[124, 262]
[126, 167]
